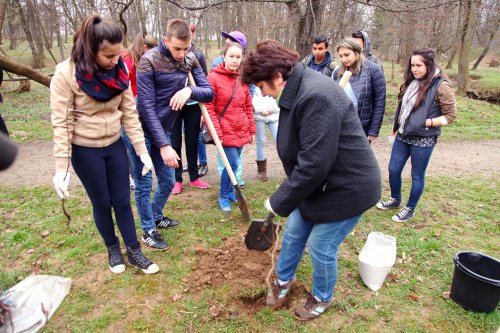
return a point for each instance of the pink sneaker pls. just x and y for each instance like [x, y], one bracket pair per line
[177, 188]
[199, 183]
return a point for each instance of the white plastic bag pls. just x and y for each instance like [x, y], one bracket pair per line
[33, 301]
[376, 259]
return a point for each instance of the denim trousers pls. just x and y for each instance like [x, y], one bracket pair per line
[221, 168]
[202, 151]
[323, 241]
[104, 174]
[233, 156]
[150, 210]
[260, 136]
[190, 116]
[420, 158]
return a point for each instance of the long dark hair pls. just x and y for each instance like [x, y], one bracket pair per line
[89, 39]
[269, 58]
[428, 57]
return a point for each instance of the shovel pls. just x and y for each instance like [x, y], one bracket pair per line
[261, 234]
[242, 202]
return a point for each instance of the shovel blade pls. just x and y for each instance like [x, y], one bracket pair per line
[261, 234]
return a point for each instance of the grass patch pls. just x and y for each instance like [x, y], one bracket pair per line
[454, 215]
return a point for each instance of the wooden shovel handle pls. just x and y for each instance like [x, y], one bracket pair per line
[215, 137]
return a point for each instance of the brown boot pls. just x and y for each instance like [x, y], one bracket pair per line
[262, 170]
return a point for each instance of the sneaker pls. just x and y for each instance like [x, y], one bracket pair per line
[132, 183]
[202, 170]
[154, 239]
[241, 183]
[115, 259]
[185, 168]
[277, 296]
[199, 184]
[177, 188]
[224, 204]
[167, 222]
[389, 204]
[311, 309]
[138, 259]
[232, 197]
[404, 215]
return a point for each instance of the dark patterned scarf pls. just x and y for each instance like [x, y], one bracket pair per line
[104, 84]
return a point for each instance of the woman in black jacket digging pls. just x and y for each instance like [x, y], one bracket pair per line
[333, 176]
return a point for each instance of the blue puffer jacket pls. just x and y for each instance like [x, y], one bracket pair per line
[159, 77]
[369, 87]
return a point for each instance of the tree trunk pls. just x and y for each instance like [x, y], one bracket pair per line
[22, 70]
[488, 44]
[33, 24]
[3, 11]
[467, 35]
[307, 24]
[27, 31]
[12, 26]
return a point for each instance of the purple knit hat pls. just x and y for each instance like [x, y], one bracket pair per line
[236, 36]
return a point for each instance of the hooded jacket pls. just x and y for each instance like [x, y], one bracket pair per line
[367, 50]
[326, 67]
[237, 125]
[159, 77]
[332, 173]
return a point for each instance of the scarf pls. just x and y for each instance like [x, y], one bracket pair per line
[104, 85]
[409, 99]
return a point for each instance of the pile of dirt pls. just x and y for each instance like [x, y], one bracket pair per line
[241, 270]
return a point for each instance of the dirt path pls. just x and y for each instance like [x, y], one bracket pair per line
[34, 165]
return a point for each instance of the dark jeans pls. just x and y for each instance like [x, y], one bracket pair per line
[419, 160]
[104, 174]
[191, 116]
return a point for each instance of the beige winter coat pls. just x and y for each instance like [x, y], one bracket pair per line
[79, 119]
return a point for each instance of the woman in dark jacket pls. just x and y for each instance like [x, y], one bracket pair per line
[368, 84]
[231, 112]
[333, 176]
[426, 103]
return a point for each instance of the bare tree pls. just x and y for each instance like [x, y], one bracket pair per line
[491, 27]
[467, 34]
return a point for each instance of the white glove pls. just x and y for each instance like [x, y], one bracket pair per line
[267, 204]
[61, 182]
[148, 163]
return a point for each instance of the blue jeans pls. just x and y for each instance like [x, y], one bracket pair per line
[150, 210]
[419, 160]
[104, 174]
[323, 240]
[221, 168]
[260, 136]
[233, 156]
[202, 151]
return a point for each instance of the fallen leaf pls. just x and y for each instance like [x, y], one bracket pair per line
[420, 279]
[176, 297]
[414, 297]
[30, 251]
[45, 233]
[446, 295]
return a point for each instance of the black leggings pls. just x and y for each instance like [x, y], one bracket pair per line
[104, 174]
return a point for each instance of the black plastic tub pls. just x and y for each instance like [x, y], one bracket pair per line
[476, 281]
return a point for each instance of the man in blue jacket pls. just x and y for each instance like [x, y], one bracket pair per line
[320, 59]
[162, 90]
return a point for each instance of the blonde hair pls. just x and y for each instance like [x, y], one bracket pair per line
[351, 44]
